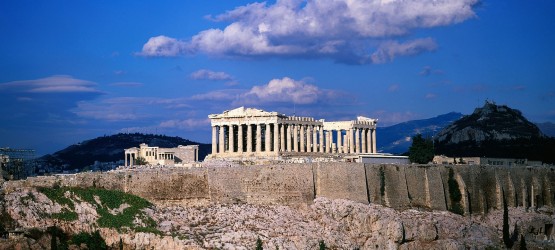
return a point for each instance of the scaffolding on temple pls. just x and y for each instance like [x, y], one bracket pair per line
[17, 163]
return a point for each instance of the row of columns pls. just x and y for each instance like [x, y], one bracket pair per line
[130, 159]
[284, 137]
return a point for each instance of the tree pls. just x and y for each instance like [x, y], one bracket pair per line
[140, 161]
[422, 150]
[259, 244]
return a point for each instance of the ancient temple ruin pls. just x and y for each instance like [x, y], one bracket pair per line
[248, 132]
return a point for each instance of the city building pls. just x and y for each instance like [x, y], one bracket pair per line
[248, 132]
[162, 156]
[484, 161]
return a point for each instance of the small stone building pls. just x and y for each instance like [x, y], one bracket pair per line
[162, 156]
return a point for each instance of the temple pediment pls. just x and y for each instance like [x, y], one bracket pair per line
[244, 112]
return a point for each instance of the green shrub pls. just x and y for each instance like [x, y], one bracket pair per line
[322, 245]
[109, 199]
[454, 194]
[259, 244]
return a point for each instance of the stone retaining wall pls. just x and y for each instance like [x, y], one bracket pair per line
[397, 186]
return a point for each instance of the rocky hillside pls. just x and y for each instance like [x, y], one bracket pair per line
[397, 139]
[495, 131]
[491, 122]
[131, 223]
[111, 148]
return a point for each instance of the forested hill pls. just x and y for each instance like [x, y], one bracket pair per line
[111, 148]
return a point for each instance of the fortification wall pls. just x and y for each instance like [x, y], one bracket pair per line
[464, 189]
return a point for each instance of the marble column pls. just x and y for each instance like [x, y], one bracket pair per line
[276, 137]
[345, 148]
[249, 138]
[309, 138]
[351, 141]
[329, 141]
[374, 148]
[369, 140]
[289, 137]
[296, 138]
[222, 139]
[267, 139]
[126, 159]
[321, 140]
[314, 139]
[302, 138]
[357, 141]
[214, 140]
[340, 142]
[282, 137]
[258, 138]
[363, 141]
[231, 141]
[240, 139]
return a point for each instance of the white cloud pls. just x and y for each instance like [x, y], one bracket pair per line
[344, 30]
[204, 74]
[127, 84]
[389, 50]
[52, 84]
[284, 90]
[187, 124]
[163, 46]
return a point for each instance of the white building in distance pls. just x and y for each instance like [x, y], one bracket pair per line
[162, 156]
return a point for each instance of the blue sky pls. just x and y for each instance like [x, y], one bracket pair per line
[75, 70]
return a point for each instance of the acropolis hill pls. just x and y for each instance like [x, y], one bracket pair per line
[227, 204]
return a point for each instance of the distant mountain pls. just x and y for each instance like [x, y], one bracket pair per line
[547, 128]
[495, 131]
[111, 148]
[398, 138]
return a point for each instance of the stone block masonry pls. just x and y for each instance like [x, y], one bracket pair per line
[425, 187]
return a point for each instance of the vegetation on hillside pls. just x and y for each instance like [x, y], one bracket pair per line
[105, 202]
[422, 150]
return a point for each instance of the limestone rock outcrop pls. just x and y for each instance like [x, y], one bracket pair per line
[341, 224]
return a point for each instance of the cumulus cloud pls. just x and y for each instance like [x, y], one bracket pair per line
[52, 84]
[284, 90]
[393, 88]
[345, 30]
[204, 74]
[163, 46]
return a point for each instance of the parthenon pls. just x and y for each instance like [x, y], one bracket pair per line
[250, 132]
